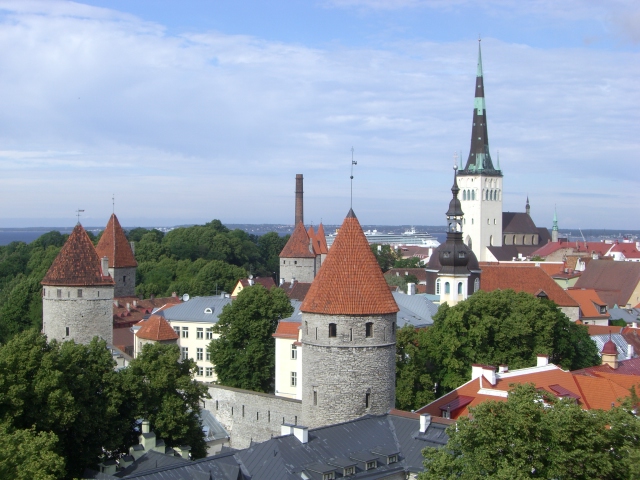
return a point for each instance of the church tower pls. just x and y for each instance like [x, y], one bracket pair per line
[554, 229]
[454, 255]
[481, 182]
[114, 245]
[77, 293]
[348, 335]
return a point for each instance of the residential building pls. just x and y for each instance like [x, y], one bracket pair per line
[266, 282]
[593, 310]
[617, 283]
[155, 329]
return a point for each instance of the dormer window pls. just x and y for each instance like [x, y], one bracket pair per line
[349, 471]
[328, 476]
[208, 310]
[392, 459]
[460, 254]
[603, 309]
[371, 465]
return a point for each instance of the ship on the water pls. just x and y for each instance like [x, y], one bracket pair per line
[408, 238]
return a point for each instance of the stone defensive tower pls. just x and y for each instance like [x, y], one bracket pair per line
[481, 182]
[298, 258]
[77, 293]
[122, 264]
[348, 335]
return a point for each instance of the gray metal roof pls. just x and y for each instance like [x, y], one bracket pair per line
[628, 315]
[212, 428]
[617, 338]
[296, 316]
[194, 309]
[415, 310]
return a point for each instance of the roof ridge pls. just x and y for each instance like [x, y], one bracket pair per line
[299, 244]
[114, 245]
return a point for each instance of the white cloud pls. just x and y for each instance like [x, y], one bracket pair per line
[208, 125]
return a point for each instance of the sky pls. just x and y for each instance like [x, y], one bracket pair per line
[192, 110]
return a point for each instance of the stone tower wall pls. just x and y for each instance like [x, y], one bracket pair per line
[339, 374]
[87, 315]
[302, 269]
[125, 279]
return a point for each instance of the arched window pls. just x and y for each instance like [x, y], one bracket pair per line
[447, 288]
[476, 285]
[332, 330]
[473, 194]
[438, 287]
[491, 241]
[459, 288]
[464, 195]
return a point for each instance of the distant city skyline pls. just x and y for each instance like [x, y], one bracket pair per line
[189, 111]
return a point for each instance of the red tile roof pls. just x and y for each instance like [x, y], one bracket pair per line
[314, 243]
[615, 282]
[77, 264]
[114, 245]
[138, 309]
[589, 301]
[595, 391]
[287, 330]
[603, 329]
[322, 239]
[524, 279]
[156, 328]
[297, 291]
[299, 245]
[350, 281]
[266, 282]
[629, 367]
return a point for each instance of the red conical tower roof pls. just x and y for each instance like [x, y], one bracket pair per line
[609, 348]
[77, 264]
[298, 244]
[156, 328]
[322, 239]
[350, 281]
[114, 245]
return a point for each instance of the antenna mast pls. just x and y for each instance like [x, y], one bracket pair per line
[353, 162]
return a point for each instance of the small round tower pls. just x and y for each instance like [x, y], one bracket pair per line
[114, 245]
[348, 335]
[77, 293]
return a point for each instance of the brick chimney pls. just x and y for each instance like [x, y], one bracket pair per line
[299, 200]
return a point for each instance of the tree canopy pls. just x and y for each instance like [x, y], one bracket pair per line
[533, 435]
[69, 400]
[244, 352]
[504, 327]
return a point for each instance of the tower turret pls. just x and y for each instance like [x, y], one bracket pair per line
[554, 229]
[114, 245]
[77, 293]
[527, 207]
[480, 181]
[348, 334]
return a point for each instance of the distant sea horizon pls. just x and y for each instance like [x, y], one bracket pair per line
[29, 234]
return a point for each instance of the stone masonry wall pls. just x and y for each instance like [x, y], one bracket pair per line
[86, 311]
[341, 374]
[125, 279]
[251, 416]
[302, 269]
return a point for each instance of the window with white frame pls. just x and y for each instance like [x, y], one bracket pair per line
[200, 333]
[200, 371]
[209, 372]
[185, 352]
[208, 356]
[177, 330]
[185, 332]
[209, 333]
[294, 352]
[294, 379]
[199, 353]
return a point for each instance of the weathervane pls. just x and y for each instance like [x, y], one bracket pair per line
[113, 202]
[455, 160]
[78, 212]
[353, 162]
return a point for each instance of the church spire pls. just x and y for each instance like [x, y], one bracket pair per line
[527, 207]
[554, 229]
[479, 160]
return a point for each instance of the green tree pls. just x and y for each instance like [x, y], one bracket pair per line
[385, 255]
[65, 389]
[270, 245]
[216, 276]
[29, 455]
[414, 385]
[533, 435]
[411, 262]
[159, 386]
[244, 353]
[504, 327]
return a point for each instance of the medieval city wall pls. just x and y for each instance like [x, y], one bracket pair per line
[251, 416]
[125, 279]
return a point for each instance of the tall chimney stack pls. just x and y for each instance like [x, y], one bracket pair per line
[299, 205]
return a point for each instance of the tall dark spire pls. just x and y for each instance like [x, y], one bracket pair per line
[454, 254]
[479, 160]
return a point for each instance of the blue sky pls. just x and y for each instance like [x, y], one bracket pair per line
[192, 110]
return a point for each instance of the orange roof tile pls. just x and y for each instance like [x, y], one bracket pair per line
[314, 241]
[114, 245]
[287, 330]
[350, 281]
[77, 264]
[524, 279]
[322, 239]
[589, 302]
[299, 245]
[156, 328]
[603, 329]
